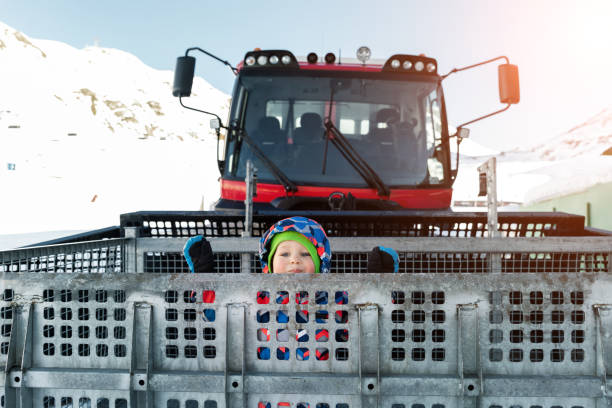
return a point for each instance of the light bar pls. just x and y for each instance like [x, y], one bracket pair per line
[270, 59]
[411, 64]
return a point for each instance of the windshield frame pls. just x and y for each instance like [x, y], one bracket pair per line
[239, 105]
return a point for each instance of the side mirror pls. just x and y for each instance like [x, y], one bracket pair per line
[183, 76]
[463, 133]
[509, 90]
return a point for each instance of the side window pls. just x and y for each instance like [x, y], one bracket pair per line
[433, 127]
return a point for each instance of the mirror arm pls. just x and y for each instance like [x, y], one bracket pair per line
[474, 66]
[234, 70]
[201, 111]
[483, 117]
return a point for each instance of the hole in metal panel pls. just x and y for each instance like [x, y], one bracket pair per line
[189, 333]
[191, 352]
[438, 354]
[577, 317]
[516, 355]
[398, 335]
[438, 316]
[83, 350]
[516, 336]
[496, 316]
[418, 335]
[210, 352]
[556, 297]
[119, 332]
[418, 354]
[536, 298]
[515, 298]
[438, 336]
[418, 298]
[398, 354]
[171, 333]
[536, 355]
[577, 298]
[496, 336]
[398, 316]
[418, 316]
[397, 297]
[83, 332]
[557, 317]
[557, 336]
[516, 316]
[209, 333]
[557, 355]
[577, 355]
[496, 355]
[342, 354]
[101, 296]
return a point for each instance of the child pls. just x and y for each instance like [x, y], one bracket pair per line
[295, 245]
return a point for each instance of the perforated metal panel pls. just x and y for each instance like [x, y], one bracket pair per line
[211, 340]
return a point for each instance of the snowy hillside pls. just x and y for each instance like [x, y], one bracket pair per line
[88, 134]
[565, 164]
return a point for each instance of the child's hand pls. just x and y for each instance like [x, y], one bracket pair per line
[381, 259]
[199, 255]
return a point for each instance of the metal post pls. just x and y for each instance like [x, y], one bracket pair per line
[250, 181]
[133, 262]
[488, 168]
[251, 184]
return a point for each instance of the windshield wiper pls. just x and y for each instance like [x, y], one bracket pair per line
[354, 159]
[289, 186]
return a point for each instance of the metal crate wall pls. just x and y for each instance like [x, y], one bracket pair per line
[410, 340]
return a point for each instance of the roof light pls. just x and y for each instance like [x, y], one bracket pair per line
[250, 60]
[285, 59]
[363, 54]
[395, 64]
[262, 60]
[431, 67]
[407, 64]
[274, 59]
[312, 58]
[330, 58]
[419, 66]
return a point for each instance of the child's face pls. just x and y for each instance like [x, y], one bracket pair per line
[292, 257]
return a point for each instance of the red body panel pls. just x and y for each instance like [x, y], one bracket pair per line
[407, 198]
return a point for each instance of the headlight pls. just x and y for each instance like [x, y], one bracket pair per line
[419, 66]
[274, 59]
[262, 60]
[431, 67]
[250, 60]
[286, 59]
[395, 64]
[407, 65]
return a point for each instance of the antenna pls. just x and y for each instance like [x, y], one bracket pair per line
[339, 56]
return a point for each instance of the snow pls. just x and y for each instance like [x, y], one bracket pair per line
[98, 134]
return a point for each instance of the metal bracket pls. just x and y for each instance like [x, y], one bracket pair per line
[601, 370]
[369, 330]
[235, 339]
[468, 361]
[142, 358]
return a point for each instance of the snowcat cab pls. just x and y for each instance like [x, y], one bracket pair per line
[348, 135]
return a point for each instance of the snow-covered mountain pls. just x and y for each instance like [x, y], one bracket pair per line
[88, 134]
[567, 163]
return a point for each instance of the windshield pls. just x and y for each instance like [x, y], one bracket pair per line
[394, 125]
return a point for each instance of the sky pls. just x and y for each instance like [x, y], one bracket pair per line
[562, 47]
